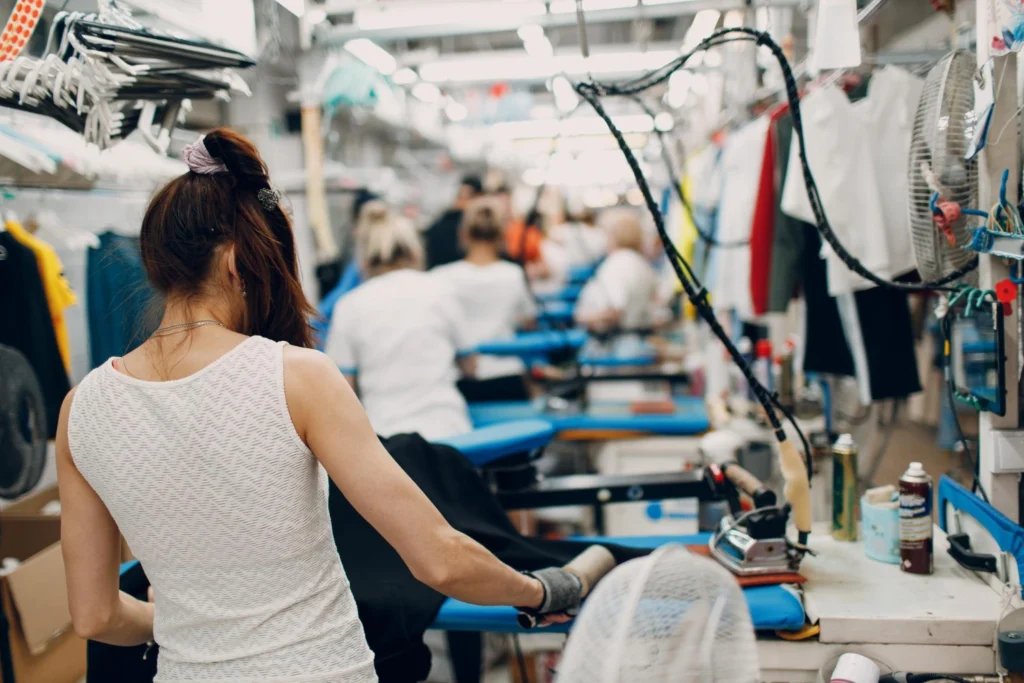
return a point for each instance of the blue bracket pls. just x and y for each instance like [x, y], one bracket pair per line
[1003, 244]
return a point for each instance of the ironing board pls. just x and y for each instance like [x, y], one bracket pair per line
[488, 444]
[580, 274]
[555, 313]
[636, 355]
[568, 293]
[534, 345]
[601, 420]
[772, 608]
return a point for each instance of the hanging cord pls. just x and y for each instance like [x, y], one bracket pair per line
[592, 91]
[677, 185]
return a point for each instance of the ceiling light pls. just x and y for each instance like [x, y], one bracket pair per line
[664, 122]
[404, 76]
[478, 13]
[635, 196]
[566, 98]
[539, 48]
[570, 127]
[296, 7]
[372, 54]
[703, 25]
[455, 111]
[426, 92]
[528, 32]
[567, 6]
[316, 16]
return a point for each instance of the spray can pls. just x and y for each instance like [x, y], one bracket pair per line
[916, 556]
[844, 489]
[763, 363]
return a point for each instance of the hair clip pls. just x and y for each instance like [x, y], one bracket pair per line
[269, 198]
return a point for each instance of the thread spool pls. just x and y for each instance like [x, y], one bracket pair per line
[854, 668]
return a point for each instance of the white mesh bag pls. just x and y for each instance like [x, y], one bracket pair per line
[670, 617]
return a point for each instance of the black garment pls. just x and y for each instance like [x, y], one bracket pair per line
[825, 347]
[394, 607]
[507, 388]
[118, 296]
[108, 663]
[442, 239]
[26, 324]
[888, 335]
[788, 237]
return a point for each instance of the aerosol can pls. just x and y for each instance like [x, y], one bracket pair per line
[916, 555]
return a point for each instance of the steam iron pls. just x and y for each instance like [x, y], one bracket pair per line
[751, 543]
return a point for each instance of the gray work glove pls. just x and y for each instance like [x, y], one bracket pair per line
[563, 593]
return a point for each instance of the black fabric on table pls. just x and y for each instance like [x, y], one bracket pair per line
[506, 388]
[442, 239]
[108, 663]
[26, 324]
[394, 607]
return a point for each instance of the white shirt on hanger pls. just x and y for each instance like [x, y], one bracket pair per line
[839, 154]
[889, 111]
[399, 334]
[494, 300]
[742, 158]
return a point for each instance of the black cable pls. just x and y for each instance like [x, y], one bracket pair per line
[946, 326]
[666, 157]
[525, 677]
[637, 85]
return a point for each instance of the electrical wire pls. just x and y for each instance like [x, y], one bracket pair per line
[677, 185]
[592, 91]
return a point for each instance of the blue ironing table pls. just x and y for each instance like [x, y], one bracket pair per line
[771, 607]
[568, 293]
[540, 345]
[600, 421]
[557, 313]
[578, 275]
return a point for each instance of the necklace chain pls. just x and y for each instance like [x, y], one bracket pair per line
[171, 329]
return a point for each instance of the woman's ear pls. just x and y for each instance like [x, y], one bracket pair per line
[229, 266]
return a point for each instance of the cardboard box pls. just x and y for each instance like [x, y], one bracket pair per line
[37, 644]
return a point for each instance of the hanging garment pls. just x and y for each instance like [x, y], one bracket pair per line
[399, 335]
[59, 295]
[889, 110]
[118, 296]
[825, 347]
[495, 301]
[394, 608]
[788, 234]
[705, 170]
[741, 175]
[762, 231]
[840, 158]
[26, 324]
[442, 239]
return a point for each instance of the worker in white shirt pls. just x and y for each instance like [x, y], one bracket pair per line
[584, 242]
[494, 299]
[623, 294]
[401, 338]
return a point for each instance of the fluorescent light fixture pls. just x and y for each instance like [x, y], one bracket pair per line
[372, 54]
[634, 196]
[426, 92]
[516, 66]
[565, 97]
[664, 122]
[405, 76]
[567, 6]
[528, 32]
[703, 25]
[539, 48]
[570, 127]
[296, 7]
[478, 13]
[455, 111]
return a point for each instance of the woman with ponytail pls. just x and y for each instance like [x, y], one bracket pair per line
[401, 338]
[208, 449]
[495, 302]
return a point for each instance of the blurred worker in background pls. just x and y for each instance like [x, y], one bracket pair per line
[545, 261]
[442, 237]
[401, 337]
[623, 294]
[584, 243]
[494, 298]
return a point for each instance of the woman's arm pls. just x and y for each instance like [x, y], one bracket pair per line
[91, 544]
[330, 420]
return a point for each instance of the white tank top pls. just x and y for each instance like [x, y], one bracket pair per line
[226, 508]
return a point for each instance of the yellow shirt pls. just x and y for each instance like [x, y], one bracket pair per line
[59, 294]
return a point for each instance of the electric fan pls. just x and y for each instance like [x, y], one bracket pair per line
[943, 129]
[670, 617]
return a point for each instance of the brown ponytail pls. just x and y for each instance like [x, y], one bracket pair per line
[196, 213]
[482, 222]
